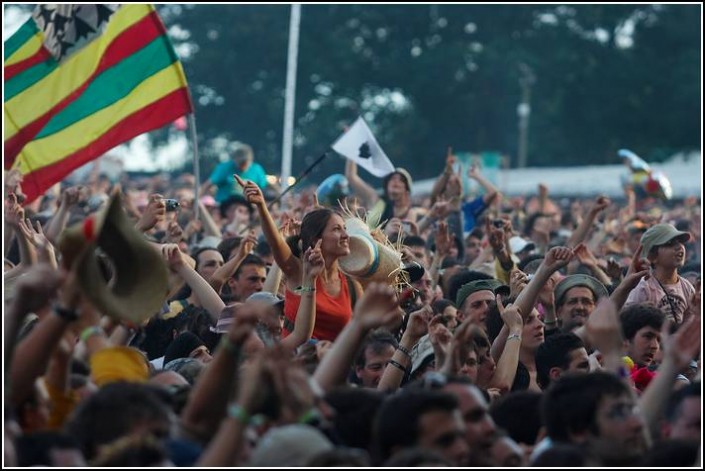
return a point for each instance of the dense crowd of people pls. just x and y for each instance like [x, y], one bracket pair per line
[143, 327]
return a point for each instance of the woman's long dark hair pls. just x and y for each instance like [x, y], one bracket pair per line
[312, 228]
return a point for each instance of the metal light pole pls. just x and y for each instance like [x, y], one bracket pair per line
[291, 63]
[526, 81]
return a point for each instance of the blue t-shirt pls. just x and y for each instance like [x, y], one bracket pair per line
[471, 211]
[222, 177]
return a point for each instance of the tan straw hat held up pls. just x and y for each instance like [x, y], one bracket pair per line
[140, 276]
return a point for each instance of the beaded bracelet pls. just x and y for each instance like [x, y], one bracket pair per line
[305, 289]
[404, 351]
[90, 331]
[236, 412]
[398, 365]
[310, 417]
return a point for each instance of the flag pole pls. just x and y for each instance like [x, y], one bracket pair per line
[196, 164]
[291, 65]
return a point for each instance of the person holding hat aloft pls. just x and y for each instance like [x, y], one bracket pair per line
[664, 248]
[334, 292]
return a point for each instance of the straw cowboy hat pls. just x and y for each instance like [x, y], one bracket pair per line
[369, 259]
[139, 284]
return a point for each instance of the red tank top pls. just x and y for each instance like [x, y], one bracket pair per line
[332, 313]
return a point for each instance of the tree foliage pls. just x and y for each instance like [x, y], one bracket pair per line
[429, 76]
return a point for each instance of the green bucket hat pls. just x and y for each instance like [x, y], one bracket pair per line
[572, 281]
[496, 286]
[661, 234]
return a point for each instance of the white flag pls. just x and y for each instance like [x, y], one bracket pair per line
[359, 145]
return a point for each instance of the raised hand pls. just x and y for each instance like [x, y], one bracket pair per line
[251, 191]
[172, 256]
[378, 306]
[511, 315]
[440, 338]
[73, 195]
[313, 262]
[154, 213]
[474, 171]
[442, 240]
[585, 256]
[517, 282]
[417, 326]
[600, 204]
[247, 245]
[613, 270]
[450, 160]
[638, 264]
[603, 327]
[460, 347]
[497, 237]
[684, 344]
[557, 258]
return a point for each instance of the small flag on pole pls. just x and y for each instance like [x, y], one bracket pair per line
[81, 79]
[359, 145]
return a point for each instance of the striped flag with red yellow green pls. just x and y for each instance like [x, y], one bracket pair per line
[81, 79]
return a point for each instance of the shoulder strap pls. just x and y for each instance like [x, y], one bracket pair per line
[352, 290]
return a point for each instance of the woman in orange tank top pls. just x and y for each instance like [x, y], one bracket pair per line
[333, 297]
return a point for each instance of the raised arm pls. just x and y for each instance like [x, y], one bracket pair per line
[43, 248]
[583, 228]
[638, 268]
[679, 350]
[416, 328]
[588, 259]
[33, 353]
[491, 191]
[313, 265]
[70, 197]
[441, 182]
[207, 402]
[14, 216]
[365, 192]
[209, 299]
[221, 275]
[509, 359]
[289, 264]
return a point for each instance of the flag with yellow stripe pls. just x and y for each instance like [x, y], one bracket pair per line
[81, 79]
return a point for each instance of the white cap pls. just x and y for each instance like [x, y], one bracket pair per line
[517, 244]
